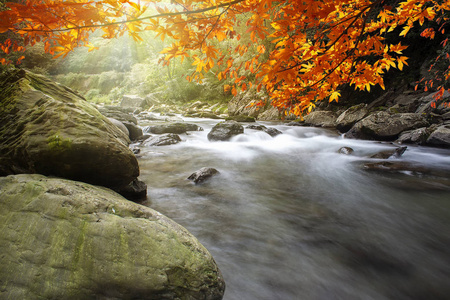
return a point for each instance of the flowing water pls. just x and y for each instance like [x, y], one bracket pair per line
[290, 218]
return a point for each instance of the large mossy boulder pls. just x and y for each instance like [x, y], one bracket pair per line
[385, 126]
[63, 239]
[47, 128]
[224, 131]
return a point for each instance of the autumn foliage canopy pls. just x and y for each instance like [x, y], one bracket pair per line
[305, 50]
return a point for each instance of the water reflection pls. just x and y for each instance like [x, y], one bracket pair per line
[290, 218]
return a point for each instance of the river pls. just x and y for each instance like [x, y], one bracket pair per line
[290, 218]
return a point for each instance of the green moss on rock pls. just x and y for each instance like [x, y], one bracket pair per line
[69, 240]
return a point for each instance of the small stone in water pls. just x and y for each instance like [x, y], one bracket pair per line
[203, 174]
[345, 150]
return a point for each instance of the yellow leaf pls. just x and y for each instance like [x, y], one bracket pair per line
[335, 96]
[405, 30]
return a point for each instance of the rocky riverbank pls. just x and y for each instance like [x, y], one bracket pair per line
[62, 236]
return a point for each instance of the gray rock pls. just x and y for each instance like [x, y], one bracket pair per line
[203, 174]
[269, 114]
[224, 131]
[241, 118]
[348, 118]
[135, 190]
[397, 152]
[270, 131]
[320, 119]
[71, 240]
[440, 137]
[177, 128]
[118, 113]
[385, 126]
[416, 136]
[163, 140]
[135, 132]
[120, 125]
[49, 129]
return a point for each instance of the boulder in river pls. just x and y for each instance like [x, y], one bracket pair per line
[224, 131]
[415, 136]
[385, 126]
[71, 240]
[177, 128]
[270, 131]
[440, 137]
[135, 132]
[320, 118]
[348, 118]
[49, 129]
[203, 174]
[163, 140]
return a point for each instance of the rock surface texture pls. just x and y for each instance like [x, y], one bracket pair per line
[385, 126]
[48, 129]
[62, 239]
[224, 131]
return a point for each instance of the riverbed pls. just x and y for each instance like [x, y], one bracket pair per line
[288, 217]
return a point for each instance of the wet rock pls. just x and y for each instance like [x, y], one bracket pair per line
[135, 132]
[416, 136]
[397, 152]
[203, 174]
[49, 129]
[348, 118]
[135, 190]
[224, 131]
[385, 126]
[118, 113]
[320, 119]
[120, 125]
[403, 166]
[440, 137]
[163, 140]
[345, 150]
[177, 128]
[270, 131]
[72, 240]
[241, 118]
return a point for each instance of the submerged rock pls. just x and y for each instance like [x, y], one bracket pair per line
[224, 131]
[71, 240]
[397, 152]
[47, 128]
[203, 174]
[346, 150]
